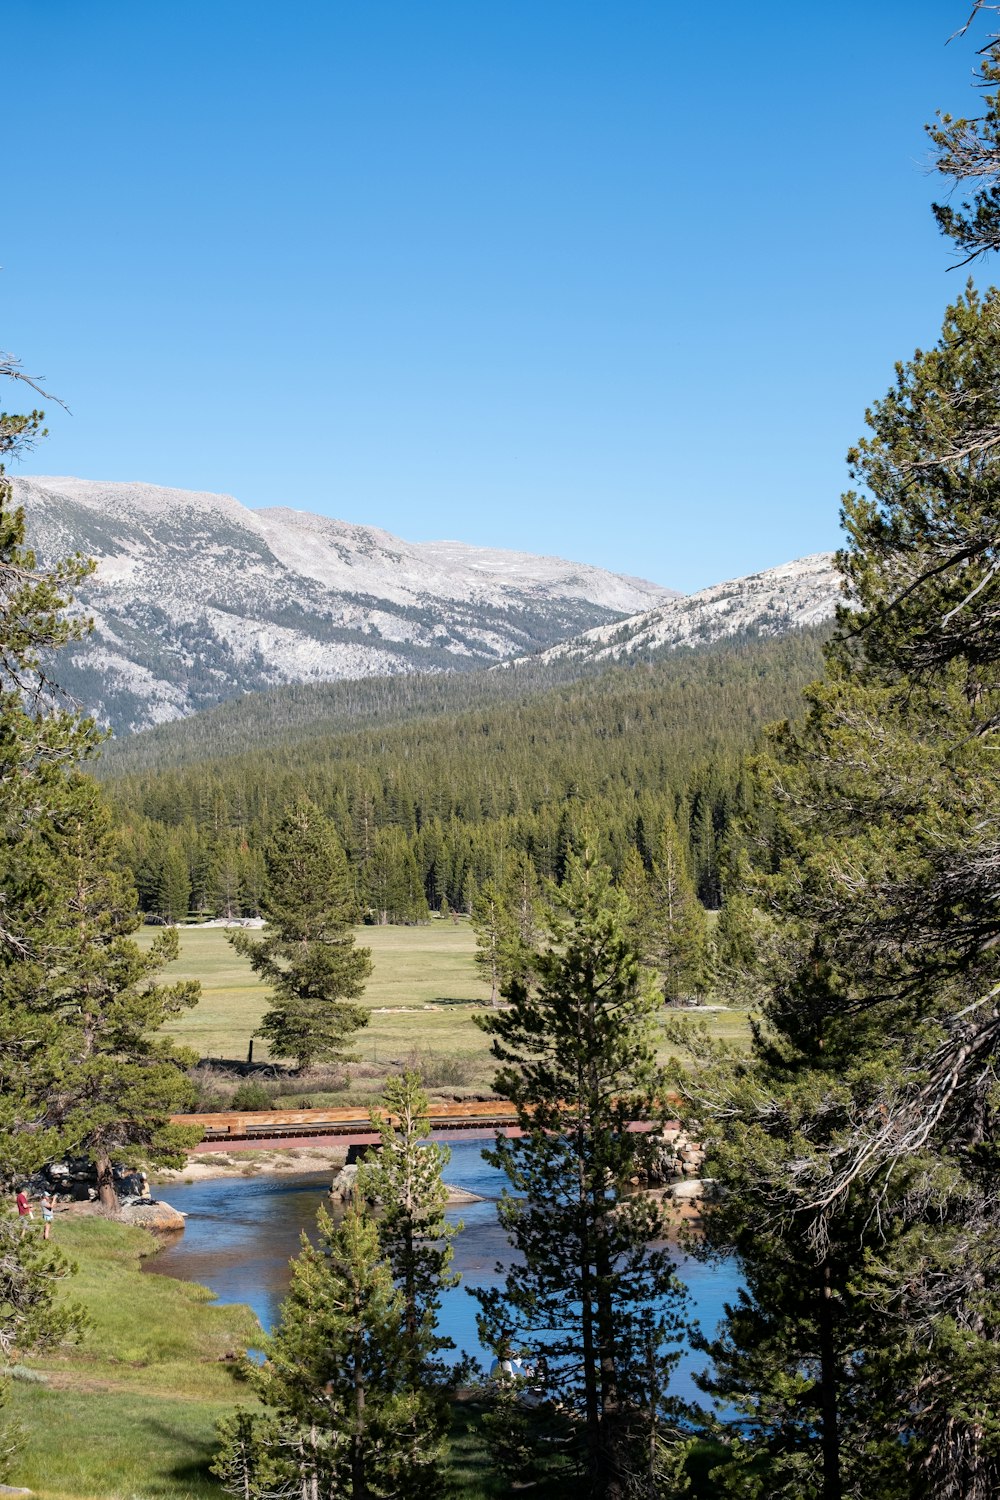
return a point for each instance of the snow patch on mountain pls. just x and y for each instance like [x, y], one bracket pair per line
[197, 598]
[770, 603]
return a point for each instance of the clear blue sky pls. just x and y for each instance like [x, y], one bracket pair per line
[609, 280]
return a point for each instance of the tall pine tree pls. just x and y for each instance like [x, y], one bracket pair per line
[588, 1295]
[338, 1415]
[403, 1181]
[858, 1150]
[307, 953]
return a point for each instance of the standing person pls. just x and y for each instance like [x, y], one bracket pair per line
[24, 1209]
[48, 1207]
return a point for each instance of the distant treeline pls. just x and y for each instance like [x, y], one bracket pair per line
[431, 799]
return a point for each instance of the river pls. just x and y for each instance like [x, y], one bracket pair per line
[241, 1233]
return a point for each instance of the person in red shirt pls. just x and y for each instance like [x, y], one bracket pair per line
[24, 1209]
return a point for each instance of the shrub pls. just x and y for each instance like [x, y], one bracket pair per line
[450, 1070]
[251, 1096]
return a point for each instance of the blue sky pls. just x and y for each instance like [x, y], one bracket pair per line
[609, 280]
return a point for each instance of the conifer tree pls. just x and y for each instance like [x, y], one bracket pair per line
[577, 1051]
[968, 151]
[114, 1079]
[39, 736]
[80, 1068]
[505, 921]
[174, 884]
[307, 952]
[678, 928]
[403, 1180]
[496, 937]
[524, 894]
[392, 886]
[338, 1416]
[45, 936]
[857, 1150]
[668, 924]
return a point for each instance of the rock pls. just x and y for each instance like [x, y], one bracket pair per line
[152, 1215]
[13, 1489]
[461, 1195]
[692, 1188]
[342, 1185]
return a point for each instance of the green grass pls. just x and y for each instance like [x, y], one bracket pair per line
[131, 1411]
[119, 1446]
[413, 967]
[422, 996]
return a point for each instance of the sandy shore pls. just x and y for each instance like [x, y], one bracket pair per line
[254, 1164]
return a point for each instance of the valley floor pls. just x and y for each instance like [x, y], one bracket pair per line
[422, 998]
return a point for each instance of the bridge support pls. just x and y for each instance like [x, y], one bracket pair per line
[356, 1153]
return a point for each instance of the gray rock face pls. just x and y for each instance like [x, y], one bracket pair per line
[343, 1183]
[197, 599]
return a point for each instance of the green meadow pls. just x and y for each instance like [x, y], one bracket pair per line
[423, 995]
[131, 1410]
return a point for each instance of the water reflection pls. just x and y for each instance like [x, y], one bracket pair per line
[241, 1233]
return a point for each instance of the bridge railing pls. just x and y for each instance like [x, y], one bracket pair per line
[246, 1124]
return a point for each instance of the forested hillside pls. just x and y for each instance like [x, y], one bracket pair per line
[310, 711]
[431, 799]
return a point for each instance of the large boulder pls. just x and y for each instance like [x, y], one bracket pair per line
[342, 1185]
[152, 1214]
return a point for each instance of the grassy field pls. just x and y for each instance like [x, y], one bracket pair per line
[422, 997]
[413, 968]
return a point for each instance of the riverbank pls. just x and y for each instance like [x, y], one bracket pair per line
[132, 1409]
[273, 1163]
[130, 1413]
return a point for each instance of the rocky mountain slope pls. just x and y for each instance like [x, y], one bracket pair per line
[197, 599]
[771, 603]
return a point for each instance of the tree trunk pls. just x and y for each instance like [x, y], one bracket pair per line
[359, 1483]
[611, 1486]
[314, 1472]
[591, 1404]
[832, 1489]
[106, 1194]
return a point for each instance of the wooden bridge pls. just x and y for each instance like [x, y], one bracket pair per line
[262, 1129]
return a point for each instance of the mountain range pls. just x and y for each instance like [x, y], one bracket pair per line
[197, 599]
[770, 603]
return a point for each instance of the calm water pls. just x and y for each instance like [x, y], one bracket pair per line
[241, 1234]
